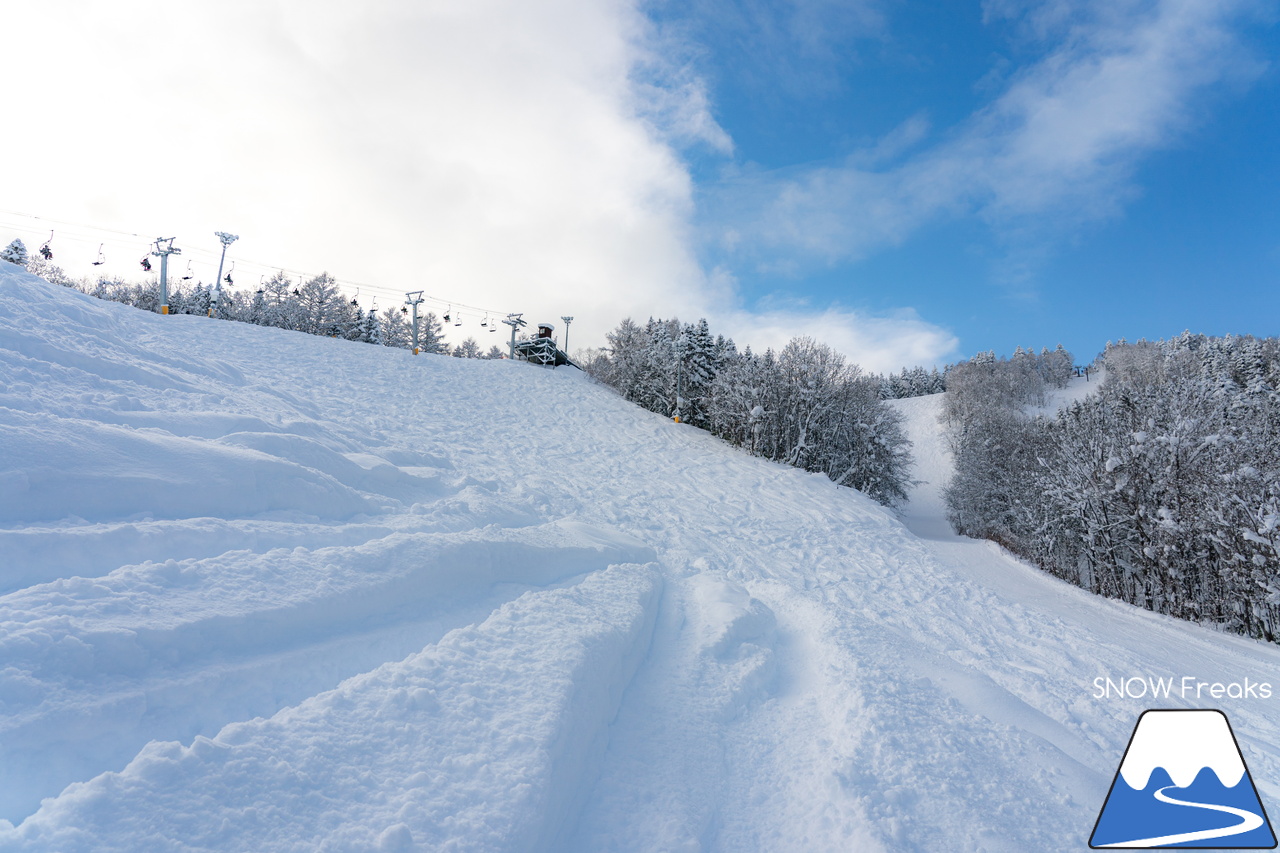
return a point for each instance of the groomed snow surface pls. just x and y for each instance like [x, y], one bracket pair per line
[271, 592]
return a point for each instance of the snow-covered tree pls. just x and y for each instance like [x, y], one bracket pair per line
[1162, 488]
[371, 328]
[321, 305]
[467, 349]
[200, 301]
[431, 334]
[15, 253]
[49, 271]
[395, 328]
[805, 407]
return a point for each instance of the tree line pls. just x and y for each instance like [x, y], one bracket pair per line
[918, 382]
[803, 406]
[315, 306]
[1161, 488]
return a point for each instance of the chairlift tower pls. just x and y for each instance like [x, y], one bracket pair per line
[414, 299]
[515, 322]
[227, 240]
[163, 254]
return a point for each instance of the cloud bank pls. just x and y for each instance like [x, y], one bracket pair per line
[530, 156]
[489, 151]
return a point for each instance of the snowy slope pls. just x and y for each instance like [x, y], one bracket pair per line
[265, 591]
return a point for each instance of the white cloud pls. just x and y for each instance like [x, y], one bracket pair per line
[880, 344]
[1059, 143]
[498, 153]
[487, 151]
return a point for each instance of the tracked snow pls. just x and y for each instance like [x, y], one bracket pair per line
[270, 591]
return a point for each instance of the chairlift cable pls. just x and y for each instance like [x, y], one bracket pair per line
[454, 310]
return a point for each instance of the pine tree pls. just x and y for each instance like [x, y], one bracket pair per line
[431, 334]
[371, 328]
[699, 365]
[15, 253]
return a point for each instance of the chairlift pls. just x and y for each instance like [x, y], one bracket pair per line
[447, 312]
[354, 302]
[404, 310]
[190, 275]
[146, 264]
[45, 251]
[227, 278]
[484, 324]
[101, 258]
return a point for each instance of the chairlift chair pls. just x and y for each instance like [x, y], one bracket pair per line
[146, 264]
[45, 251]
[101, 258]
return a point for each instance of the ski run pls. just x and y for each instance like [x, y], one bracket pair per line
[263, 591]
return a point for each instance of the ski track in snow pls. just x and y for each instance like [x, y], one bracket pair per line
[266, 591]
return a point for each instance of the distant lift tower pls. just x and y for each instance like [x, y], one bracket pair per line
[163, 254]
[227, 240]
[414, 299]
[514, 321]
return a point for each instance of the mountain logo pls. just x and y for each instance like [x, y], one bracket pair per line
[1183, 783]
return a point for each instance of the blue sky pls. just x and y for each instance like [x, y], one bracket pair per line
[1177, 224]
[909, 182]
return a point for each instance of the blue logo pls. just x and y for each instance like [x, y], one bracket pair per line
[1183, 783]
